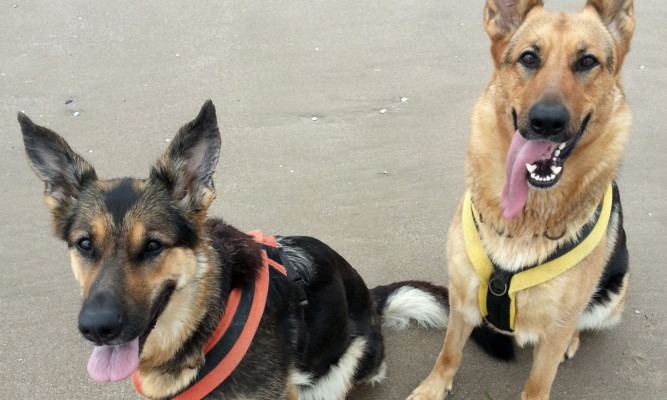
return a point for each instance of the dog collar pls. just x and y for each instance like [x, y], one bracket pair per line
[498, 288]
[236, 330]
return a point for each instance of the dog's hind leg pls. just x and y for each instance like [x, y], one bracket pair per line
[547, 355]
[441, 377]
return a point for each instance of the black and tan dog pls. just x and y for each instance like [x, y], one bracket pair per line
[537, 247]
[192, 307]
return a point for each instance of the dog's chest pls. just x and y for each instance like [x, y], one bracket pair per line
[538, 308]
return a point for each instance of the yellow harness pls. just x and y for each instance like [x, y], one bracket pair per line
[528, 277]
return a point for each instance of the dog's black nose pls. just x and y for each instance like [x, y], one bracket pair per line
[101, 319]
[549, 121]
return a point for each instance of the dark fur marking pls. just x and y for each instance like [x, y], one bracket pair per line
[66, 228]
[496, 344]
[609, 54]
[237, 251]
[121, 198]
[507, 60]
[187, 234]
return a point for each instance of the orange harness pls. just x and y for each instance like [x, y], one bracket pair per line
[227, 347]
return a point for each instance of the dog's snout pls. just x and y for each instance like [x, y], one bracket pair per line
[101, 319]
[549, 121]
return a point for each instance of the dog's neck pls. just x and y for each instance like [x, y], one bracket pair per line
[174, 354]
[548, 220]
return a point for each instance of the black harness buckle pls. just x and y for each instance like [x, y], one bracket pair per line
[498, 301]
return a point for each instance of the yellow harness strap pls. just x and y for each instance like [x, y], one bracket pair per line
[533, 276]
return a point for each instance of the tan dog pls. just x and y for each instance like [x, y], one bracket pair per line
[546, 139]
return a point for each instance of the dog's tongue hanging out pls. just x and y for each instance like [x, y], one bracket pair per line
[114, 363]
[522, 152]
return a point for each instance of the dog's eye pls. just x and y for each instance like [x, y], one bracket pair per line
[84, 245]
[587, 62]
[528, 59]
[153, 248]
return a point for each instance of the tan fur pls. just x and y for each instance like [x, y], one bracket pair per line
[177, 322]
[137, 235]
[83, 274]
[546, 314]
[292, 392]
[180, 316]
[155, 384]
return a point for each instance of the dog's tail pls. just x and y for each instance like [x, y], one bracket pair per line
[427, 305]
[412, 301]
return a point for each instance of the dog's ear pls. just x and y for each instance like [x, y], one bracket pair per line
[502, 17]
[64, 172]
[619, 18]
[186, 169]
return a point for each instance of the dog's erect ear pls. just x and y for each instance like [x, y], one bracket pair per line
[502, 17]
[186, 169]
[64, 172]
[619, 18]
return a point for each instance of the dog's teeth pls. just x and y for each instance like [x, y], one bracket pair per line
[557, 153]
[531, 168]
[556, 170]
[534, 176]
[562, 146]
[552, 177]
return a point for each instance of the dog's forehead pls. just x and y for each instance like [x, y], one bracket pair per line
[111, 203]
[564, 30]
[131, 209]
[120, 195]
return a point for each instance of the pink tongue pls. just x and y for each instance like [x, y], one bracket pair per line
[114, 363]
[522, 152]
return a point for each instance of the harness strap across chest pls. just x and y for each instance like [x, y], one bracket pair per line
[498, 287]
[236, 330]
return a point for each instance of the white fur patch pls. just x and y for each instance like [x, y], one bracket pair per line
[300, 378]
[380, 375]
[599, 317]
[336, 383]
[412, 304]
[524, 337]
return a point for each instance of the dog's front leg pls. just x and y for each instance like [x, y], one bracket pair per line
[547, 356]
[292, 392]
[449, 360]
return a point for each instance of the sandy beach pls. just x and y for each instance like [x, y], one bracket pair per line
[344, 120]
